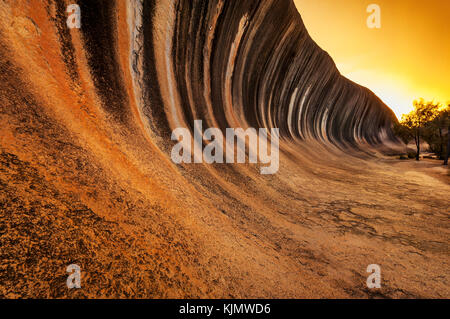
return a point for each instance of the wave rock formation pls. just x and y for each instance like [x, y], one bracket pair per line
[86, 176]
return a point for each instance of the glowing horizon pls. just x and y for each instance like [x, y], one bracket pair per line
[408, 58]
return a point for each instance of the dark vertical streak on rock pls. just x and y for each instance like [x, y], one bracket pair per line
[67, 48]
[99, 32]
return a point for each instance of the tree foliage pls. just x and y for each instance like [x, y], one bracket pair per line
[428, 121]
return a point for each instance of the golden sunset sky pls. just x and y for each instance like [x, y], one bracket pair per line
[406, 59]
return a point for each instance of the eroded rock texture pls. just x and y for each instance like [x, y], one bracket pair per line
[86, 175]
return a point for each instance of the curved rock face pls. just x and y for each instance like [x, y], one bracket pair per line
[229, 64]
[244, 63]
[87, 178]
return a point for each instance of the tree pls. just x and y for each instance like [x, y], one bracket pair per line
[435, 131]
[445, 115]
[415, 121]
[433, 134]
